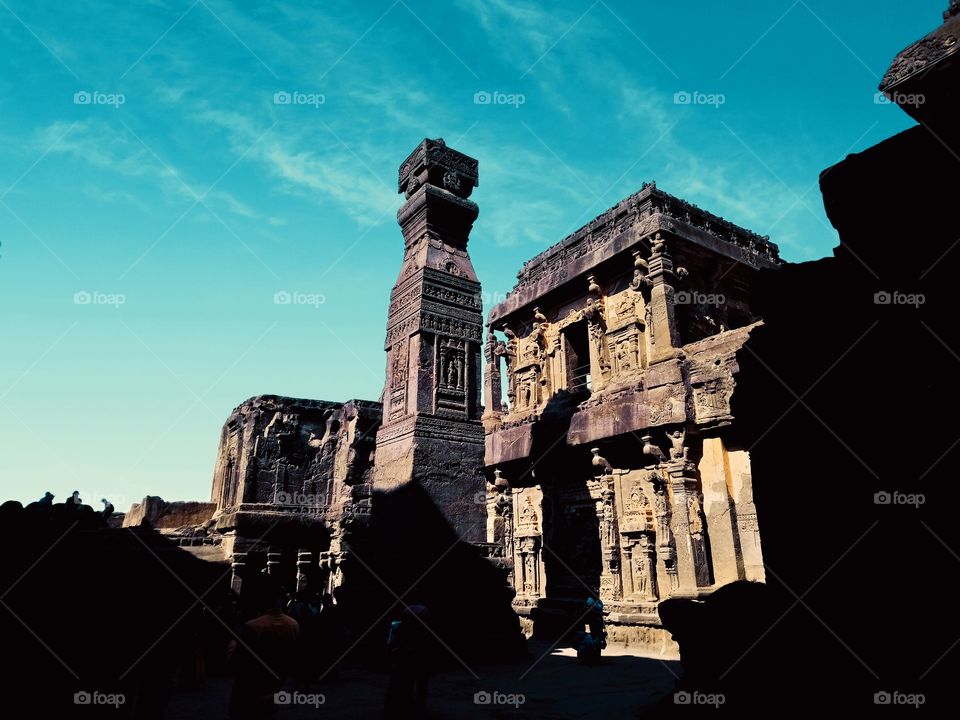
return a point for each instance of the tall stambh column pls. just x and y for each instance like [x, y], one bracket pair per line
[431, 432]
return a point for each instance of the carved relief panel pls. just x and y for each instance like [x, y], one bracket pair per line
[452, 375]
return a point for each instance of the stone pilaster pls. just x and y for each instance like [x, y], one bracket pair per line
[664, 335]
[492, 392]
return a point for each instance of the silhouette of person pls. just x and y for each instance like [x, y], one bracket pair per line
[262, 655]
[592, 642]
[305, 609]
[407, 644]
[332, 631]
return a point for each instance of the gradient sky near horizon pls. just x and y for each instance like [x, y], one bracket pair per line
[155, 196]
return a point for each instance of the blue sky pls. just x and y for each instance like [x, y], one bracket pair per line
[155, 197]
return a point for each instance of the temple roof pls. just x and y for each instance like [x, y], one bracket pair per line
[659, 201]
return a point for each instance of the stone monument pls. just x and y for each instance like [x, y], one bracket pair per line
[431, 433]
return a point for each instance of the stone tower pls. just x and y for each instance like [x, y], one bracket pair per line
[431, 433]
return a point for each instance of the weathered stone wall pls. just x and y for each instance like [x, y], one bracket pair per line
[168, 515]
[293, 462]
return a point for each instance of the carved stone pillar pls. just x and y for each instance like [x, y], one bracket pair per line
[663, 333]
[645, 568]
[528, 571]
[611, 583]
[599, 365]
[689, 530]
[434, 334]
[325, 571]
[666, 547]
[273, 563]
[527, 543]
[304, 561]
[237, 569]
[492, 393]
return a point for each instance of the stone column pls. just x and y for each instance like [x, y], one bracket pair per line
[747, 528]
[718, 508]
[304, 561]
[492, 391]
[431, 402]
[645, 559]
[325, 571]
[237, 569]
[611, 587]
[664, 335]
[680, 527]
[666, 549]
[688, 528]
[599, 368]
[273, 563]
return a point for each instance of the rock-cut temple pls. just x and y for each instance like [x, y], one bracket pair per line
[576, 441]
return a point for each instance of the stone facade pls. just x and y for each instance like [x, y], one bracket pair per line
[292, 477]
[610, 463]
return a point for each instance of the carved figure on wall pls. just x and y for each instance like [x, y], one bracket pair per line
[678, 450]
